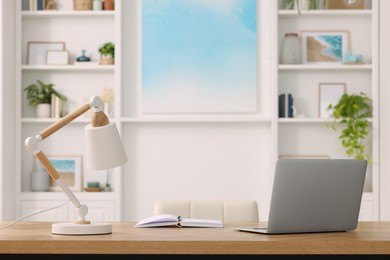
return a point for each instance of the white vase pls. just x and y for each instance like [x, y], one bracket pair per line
[40, 181]
[43, 110]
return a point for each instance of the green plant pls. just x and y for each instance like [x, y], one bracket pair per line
[353, 112]
[41, 93]
[291, 4]
[107, 48]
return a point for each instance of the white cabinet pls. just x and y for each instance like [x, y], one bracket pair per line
[308, 134]
[101, 207]
[78, 30]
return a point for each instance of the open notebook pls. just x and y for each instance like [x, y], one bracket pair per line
[173, 220]
[315, 195]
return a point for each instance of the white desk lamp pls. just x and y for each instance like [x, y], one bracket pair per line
[104, 150]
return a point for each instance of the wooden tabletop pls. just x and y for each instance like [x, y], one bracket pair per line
[36, 238]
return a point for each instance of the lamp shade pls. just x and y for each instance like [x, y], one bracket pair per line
[104, 148]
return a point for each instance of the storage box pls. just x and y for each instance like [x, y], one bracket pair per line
[82, 4]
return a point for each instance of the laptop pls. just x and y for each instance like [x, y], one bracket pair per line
[315, 195]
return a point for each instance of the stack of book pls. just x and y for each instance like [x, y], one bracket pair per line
[286, 105]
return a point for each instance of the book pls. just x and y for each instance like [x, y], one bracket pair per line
[286, 105]
[173, 220]
[25, 5]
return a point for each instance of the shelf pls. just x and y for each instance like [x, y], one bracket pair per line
[308, 120]
[252, 119]
[324, 13]
[325, 67]
[47, 14]
[53, 120]
[68, 67]
[81, 195]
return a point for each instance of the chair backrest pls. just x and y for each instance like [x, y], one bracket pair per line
[225, 210]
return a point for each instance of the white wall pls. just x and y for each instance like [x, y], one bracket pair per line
[384, 94]
[7, 152]
[189, 160]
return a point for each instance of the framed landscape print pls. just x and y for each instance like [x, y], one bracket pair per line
[324, 47]
[70, 168]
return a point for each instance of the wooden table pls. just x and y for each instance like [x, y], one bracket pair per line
[36, 238]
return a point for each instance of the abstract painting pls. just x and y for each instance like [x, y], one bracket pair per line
[199, 56]
[324, 46]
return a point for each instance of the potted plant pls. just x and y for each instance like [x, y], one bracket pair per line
[352, 111]
[300, 5]
[107, 53]
[40, 95]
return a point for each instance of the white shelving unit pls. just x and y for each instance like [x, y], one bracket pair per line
[80, 30]
[172, 156]
[300, 135]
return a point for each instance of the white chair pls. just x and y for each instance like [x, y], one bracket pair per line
[225, 210]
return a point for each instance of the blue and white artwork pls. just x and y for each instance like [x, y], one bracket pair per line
[199, 56]
[325, 47]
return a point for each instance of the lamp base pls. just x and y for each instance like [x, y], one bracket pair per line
[81, 229]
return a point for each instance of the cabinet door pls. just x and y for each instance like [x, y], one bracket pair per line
[32, 206]
[97, 211]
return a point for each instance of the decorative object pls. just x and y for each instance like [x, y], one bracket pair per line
[199, 65]
[40, 179]
[36, 51]
[50, 5]
[324, 46]
[56, 106]
[344, 4]
[83, 57]
[41, 93]
[57, 57]
[93, 184]
[351, 58]
[97, 5]
[70, 170]
[329, 93]
[291, 49]
[352, 112]
[109, 4]
[107, 186]
[107, 96]
[104, 150]
[301, 5]
[82, 4]
[107, 53]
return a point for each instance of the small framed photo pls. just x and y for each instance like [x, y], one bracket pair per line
[303, 156]
[36, 51]
[329, 93]
[70, 169]
[324, 47]
[57, 57]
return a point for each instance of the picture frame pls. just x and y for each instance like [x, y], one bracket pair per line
[329, 93]
[304, 156]
[324, 46]
[36, 51]
[70, 168]
[344, 4]
[55, 57]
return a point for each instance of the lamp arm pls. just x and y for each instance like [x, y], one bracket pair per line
[31, 143]
[82, 210]
[94, 102]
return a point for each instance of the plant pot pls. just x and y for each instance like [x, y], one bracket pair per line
[106, 60]
[43, 110]
[109, 5]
